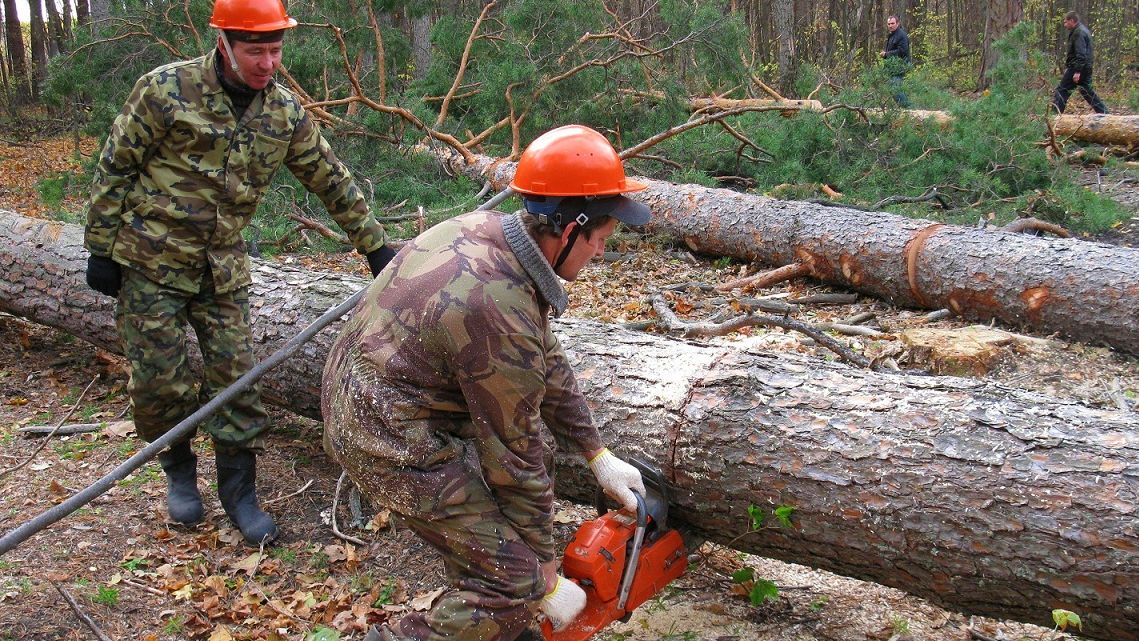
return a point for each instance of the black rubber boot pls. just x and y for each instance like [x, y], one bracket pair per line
[237, 489]
[183, 501]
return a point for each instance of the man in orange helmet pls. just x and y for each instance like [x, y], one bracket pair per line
[187, 161]
[436, 390]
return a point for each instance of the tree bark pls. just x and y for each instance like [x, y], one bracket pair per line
[978, 497]
[1104, 129]
[17, 59]
[38, 39]
[1087, 291]
[999, 17]
[784, 13]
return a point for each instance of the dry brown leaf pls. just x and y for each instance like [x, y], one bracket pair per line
[249, 564]
[120, 429]
[423, 602]
[221, 633]
[216, 583]
[379, 521]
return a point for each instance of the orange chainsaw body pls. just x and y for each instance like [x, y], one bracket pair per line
[596, 560]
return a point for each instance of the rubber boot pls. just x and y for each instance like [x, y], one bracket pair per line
[237, 489]
[183, 501]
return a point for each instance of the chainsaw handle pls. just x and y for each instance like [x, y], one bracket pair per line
[634, 554]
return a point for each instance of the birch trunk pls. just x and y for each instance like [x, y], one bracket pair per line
[1086, 291]
[978, 497]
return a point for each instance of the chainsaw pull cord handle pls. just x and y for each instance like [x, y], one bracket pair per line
[635, 554]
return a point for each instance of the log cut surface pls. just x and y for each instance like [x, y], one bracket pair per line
[1083, 290]
[980, 498]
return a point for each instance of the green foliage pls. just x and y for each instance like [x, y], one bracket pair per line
[760, 590]
[321, 633]
[757, 516]
[386, 593]
[174, 625]
[763, 591]
[106, 596]
[986, 163]
[783, 514]
[53, 188]
[1064, 618]
[899, 624]
[132, 564]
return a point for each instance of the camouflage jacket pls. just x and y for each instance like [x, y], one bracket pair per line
[180, 177]
[453, 343]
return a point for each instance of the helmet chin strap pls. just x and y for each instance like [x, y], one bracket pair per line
[232, 60]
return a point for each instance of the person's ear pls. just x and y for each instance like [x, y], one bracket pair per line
[566, 232]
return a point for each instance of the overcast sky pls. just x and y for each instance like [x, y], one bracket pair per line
[22, 10]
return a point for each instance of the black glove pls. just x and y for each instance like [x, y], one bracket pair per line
[379, 258]
[104, 275]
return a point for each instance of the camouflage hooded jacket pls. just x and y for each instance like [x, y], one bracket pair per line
[180, 177]
[452, 347]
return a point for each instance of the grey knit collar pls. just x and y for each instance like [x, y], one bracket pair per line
[535, 264]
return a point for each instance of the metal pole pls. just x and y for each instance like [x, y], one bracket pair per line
[21, 533]
[88, 494]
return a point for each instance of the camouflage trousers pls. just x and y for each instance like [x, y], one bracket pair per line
[496, 577]
[152, 321]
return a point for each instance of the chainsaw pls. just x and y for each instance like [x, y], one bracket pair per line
[621, 560]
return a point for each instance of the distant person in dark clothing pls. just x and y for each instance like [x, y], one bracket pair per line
[1078, 67]
[897, 46]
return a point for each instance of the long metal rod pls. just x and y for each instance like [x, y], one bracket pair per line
[89, 493]
[23, 532]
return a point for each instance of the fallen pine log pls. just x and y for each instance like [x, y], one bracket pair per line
[978, 497]
[1086, 291]
[1105, 129]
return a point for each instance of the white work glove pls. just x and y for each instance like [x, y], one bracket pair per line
[617, 478]
[562, 604]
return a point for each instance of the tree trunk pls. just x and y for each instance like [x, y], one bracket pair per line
[1084, 290]
[978, 497]
[38, 38]
[999, 17]
[420, 36]
[16, 54]
[100, 10]
[784, 13]
[55, 42]
[1099, 128]
[82, 13]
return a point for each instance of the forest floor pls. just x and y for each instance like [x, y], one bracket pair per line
[136, 576]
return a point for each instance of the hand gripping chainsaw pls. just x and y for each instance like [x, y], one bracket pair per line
[621, 561]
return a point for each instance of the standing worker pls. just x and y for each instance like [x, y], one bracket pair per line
[181, 174]
[1077, 67]
[897, 48]
[434, 393]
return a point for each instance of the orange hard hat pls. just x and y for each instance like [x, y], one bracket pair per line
[572, 161]
[251, 15]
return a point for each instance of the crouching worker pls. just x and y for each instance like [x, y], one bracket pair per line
[435, 391]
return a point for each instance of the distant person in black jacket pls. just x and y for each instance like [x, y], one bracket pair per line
[897, 46]
[1078, 67]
